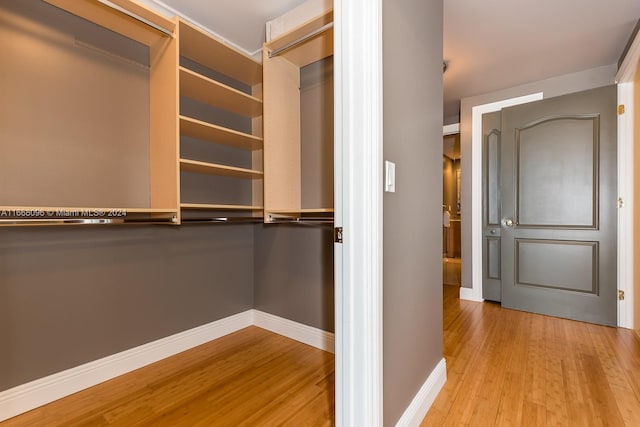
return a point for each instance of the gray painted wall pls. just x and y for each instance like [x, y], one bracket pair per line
[556, 86]
[412, 44]
[294, 273]
[70, 295]
[294, 263]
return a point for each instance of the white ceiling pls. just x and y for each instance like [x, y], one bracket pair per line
[489, 44]
[497, 44]
[242, 22]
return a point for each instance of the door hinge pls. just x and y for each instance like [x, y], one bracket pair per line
[620, 202]
[337, 235]
[620, 295]
[620, 109]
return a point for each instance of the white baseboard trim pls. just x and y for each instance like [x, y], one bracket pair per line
[306, 334]
[31, 395]
[39, 392]
[469, 294]
[416, 411]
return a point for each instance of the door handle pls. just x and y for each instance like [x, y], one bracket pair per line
[508, 222]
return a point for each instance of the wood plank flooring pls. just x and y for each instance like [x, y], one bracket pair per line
[249, 378]
[510, 368]
[504, 368]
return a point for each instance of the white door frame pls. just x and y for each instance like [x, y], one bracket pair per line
[625, 79]
[358, 209]
[475, 292]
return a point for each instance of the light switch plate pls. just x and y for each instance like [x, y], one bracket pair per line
[389, 177]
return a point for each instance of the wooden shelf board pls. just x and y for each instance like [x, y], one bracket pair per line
[209, 91]
[302, 211]
[209, 132]
[196, 166]
[205, 206]
[205, 49]
[82, 208]
[118, 22]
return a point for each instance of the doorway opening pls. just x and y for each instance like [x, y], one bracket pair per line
[451, 213]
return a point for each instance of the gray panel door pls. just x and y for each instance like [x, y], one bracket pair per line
[491, 212]
[559, 219]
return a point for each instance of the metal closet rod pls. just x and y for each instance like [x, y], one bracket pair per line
[300, 40]
[136, 17]
[84, 221]
[223, 220]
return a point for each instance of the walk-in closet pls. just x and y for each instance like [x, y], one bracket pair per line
[161, 192]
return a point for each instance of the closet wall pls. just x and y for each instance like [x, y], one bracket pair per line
[294, 263]
[70, 295]
[73, 294]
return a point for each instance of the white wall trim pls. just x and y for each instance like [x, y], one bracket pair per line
[469, 294]
[627, 70]
[417, 410]
[39, 392]
[475, 294]
[626, 212]
[53, 387]
[358, 138]
[297, 331]
[451, 129]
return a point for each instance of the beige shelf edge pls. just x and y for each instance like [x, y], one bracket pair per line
[313, 49]
[209, 91]
[205, 206]
[213, 133]
[302, 211]
[196, 166]
[205, 49]
[83, 208]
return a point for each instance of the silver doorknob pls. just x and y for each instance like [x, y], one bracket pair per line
[508, 222]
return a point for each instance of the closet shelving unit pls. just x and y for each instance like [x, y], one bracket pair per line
[283, 57]
[53, 179]
[213, 54]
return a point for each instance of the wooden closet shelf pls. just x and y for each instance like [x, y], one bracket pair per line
[319, 215]
[302, 211]
[205, 206]
[201, 47]
[44, 212]
[196, 166]
[204, 89]
[209, 132]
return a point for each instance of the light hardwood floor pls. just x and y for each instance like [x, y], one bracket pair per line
[504, 368]
[510, 368]
[248, 378]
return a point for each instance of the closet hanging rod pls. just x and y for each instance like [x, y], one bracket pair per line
[300, 40]
[84, 221]
[223, 220]
[137, 17]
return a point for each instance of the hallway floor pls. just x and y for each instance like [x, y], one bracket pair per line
[451, 271]
[511, 368]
